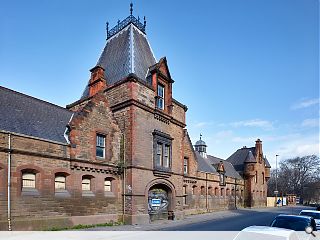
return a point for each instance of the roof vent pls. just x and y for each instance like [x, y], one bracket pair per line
[244, 147]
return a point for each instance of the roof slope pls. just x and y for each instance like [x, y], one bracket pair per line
[207, 165]
[245, 155]
[20, 113]
[228, 167]
[204, 165]
[238, 158]
[126, 52]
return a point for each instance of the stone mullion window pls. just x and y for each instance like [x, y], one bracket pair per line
[162, 151]
[166, 157]
[159, 154]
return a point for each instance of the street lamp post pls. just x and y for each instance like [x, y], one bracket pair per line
[276, 191]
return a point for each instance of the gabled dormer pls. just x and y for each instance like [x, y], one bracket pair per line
[160, 78]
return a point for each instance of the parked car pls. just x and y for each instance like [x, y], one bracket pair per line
[266, 233]
[314, 214]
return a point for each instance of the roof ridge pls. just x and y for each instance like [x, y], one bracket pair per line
[37, 99]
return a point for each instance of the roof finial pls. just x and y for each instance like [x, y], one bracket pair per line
[200, 136]
[131, 8]
[145, 22]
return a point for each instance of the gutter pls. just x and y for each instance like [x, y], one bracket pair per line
[9, 182]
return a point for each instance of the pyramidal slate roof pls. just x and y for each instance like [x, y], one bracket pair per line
[127, 51]
[244, 155]
[30, 116]
[238, 158]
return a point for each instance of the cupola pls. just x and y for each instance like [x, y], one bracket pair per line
[201, 147]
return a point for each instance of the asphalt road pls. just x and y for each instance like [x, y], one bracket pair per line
[244, 218]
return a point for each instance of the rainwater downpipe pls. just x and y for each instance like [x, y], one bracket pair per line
[124, 182]
[9, 182]
[207, 207]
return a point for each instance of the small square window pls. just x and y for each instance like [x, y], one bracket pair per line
[100, 146]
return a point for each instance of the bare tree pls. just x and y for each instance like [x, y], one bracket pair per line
[300, 176]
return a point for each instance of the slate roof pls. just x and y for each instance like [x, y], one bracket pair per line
[126, 52]
[244, 155]
[204, 165]
[208, 165]
[20, 113]
[228, 167]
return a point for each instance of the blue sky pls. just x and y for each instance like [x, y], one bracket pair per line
[246, 69]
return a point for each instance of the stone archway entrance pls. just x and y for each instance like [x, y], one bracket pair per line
[159, 202]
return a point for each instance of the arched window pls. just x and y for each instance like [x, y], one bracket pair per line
[228, 192]
[194, 190]
[28, 180]
[263, 178]
[86, 183]
[60, 182]
[210, 191]
[203, 190]
[216, 191]
[108, 185]
[222, 192]
[184, 192]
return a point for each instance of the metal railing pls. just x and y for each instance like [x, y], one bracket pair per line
[121, 25]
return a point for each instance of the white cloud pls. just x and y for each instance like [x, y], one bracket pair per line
[312, 122]
[253, 123]
[295, 146]
[202, 124]
[305, 103]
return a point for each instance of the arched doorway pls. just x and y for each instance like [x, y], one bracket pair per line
[159, 202]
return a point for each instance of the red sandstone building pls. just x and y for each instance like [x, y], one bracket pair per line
[120, 153]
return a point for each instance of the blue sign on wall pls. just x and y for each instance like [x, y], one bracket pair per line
[155, 202]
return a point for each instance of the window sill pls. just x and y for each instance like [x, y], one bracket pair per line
[100, 158]
[62, 194]
[87, 194]
[30, 192]
[109, 194]
[163, 172]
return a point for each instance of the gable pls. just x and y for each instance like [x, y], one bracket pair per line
[94, 118]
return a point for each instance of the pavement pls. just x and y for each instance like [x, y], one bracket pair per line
[190, 219]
